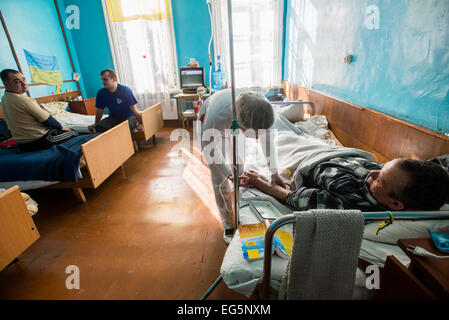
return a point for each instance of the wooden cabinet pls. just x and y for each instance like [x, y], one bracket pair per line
[425, 278]
[17, 229]
[85, 106]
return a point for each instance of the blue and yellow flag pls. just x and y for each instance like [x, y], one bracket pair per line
[43, 69]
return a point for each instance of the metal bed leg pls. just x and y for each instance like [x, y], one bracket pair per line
[211, 288]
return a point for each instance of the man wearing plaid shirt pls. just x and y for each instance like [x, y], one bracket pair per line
[359, 183]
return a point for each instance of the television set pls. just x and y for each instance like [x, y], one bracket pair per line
[191, 78]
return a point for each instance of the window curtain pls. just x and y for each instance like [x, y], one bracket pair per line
[257, 37]
[142, 43]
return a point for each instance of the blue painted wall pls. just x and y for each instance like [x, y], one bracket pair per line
[91, 43]
[34, 25]
[192, 32]
[400, 69]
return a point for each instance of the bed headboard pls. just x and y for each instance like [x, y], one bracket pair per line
[363, 128]
[52, 98]
[58, 97]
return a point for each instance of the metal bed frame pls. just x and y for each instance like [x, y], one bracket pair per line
[369, 216]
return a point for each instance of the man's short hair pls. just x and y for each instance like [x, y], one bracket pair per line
[4, 75]
[110, 73]
[428, 185]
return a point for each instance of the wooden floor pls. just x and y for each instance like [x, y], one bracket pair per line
[148, 236]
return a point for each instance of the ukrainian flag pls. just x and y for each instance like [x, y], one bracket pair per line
[43, 69]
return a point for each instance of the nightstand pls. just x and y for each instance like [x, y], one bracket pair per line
[85, 106]
[426, 277]
[17, 228]
[433, 272]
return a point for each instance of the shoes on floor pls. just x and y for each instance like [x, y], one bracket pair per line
[228, 235]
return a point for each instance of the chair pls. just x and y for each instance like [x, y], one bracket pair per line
[187, 114]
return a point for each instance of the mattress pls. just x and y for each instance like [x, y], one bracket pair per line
[77, 122]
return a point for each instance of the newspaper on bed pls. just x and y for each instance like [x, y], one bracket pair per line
[252, 237]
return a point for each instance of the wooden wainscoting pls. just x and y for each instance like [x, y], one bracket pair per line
[359, 127]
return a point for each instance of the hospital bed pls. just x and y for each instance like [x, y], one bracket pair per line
[349, 125]
[100, 158]
[56, 105]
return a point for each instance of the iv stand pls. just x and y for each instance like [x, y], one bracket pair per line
[234, 125]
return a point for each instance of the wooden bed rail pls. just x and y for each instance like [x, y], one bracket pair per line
[152, 122]
[103, 155]
[107, 152]
[359, 127]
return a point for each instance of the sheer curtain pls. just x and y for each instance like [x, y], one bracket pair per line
[257, 29]
[142, 43]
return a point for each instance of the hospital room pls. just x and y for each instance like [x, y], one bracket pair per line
[193, 152]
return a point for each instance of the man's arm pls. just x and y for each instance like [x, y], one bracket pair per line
[301, 199]
[53, 123]
[98, 115]
[137, 113]
[42, 115]
[253, 180]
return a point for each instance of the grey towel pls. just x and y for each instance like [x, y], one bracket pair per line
[324, 257]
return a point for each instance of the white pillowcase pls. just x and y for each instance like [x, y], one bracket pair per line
[293, 112]
[57, 109]
[404, 230]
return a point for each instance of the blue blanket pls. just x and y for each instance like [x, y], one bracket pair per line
[58, 163]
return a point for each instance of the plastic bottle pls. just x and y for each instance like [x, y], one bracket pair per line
[218, 77]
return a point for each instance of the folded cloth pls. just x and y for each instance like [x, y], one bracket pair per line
[8, 143]
[324, 257]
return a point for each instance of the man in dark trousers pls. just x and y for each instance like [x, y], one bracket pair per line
[31, 126]
[120, 101]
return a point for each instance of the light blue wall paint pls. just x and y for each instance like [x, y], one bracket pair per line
[400, 69]
[92, 44]
[192, 32]
[62, 11]
[33, 25]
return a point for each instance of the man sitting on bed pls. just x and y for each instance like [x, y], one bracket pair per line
[31, 126]
[358, 183]
[121, 103]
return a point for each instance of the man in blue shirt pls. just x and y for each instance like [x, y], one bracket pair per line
[121, 103]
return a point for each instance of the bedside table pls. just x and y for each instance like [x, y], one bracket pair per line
[426, 278]
[85, 106]
[433, 272]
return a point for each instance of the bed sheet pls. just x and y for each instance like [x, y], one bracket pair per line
[243, 276]
[77, 122]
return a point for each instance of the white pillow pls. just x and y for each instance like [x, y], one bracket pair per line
[57, 109]
[293, 112]
[404, 230]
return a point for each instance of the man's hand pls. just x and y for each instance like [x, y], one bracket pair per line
[276, 180]
[251, 179]
[91, 128]
[66, 129]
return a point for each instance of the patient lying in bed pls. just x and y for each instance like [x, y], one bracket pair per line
[355, 182]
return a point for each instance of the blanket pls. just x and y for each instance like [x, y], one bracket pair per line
[58, 163]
